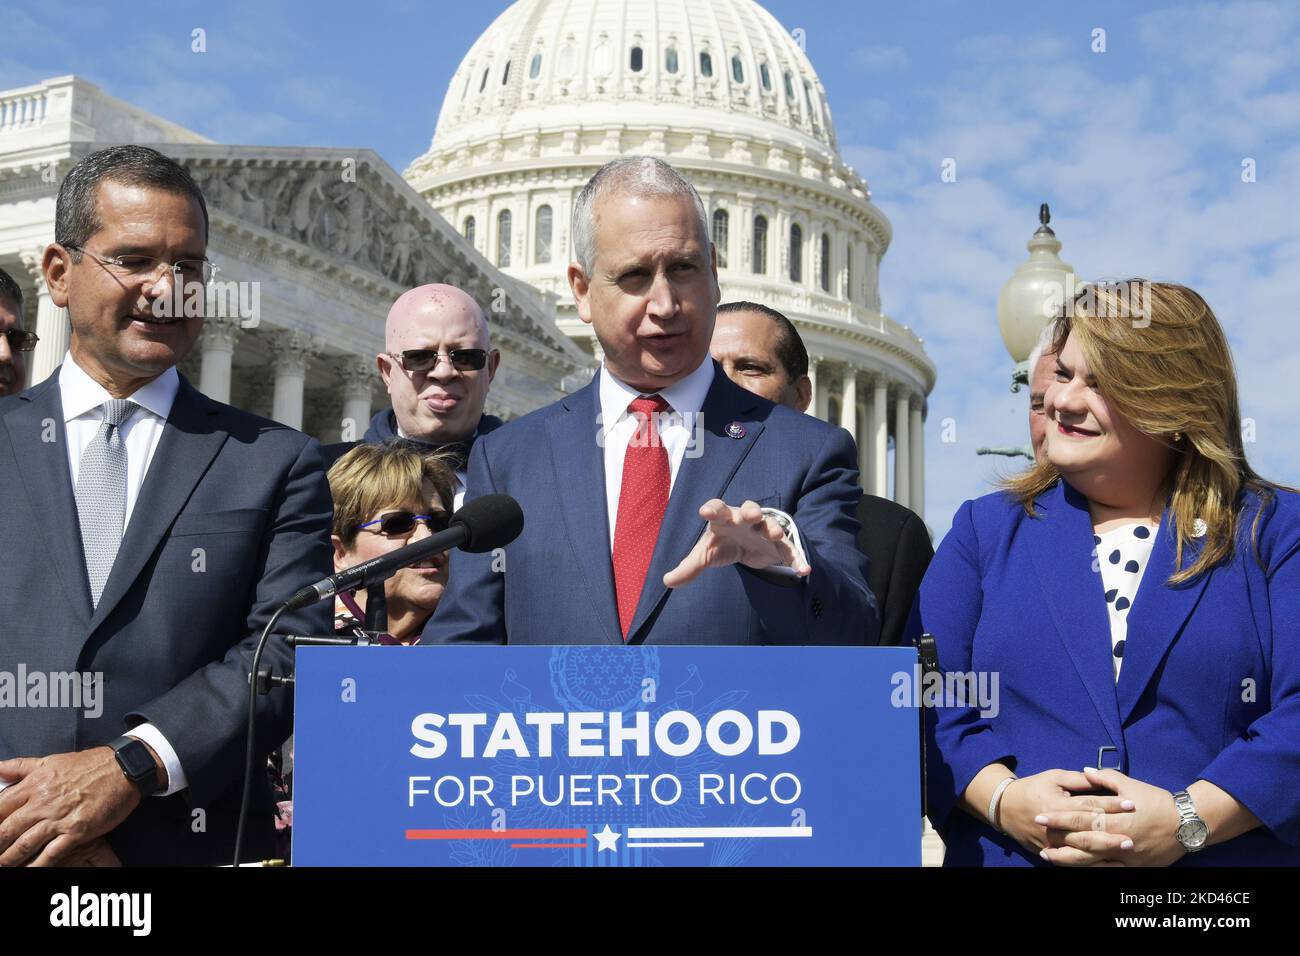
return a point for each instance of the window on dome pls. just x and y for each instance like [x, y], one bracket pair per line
[503, 238]
[535, 67]
[706, 64]
[848, 271]
[796, 253]
[721, 227]
[482, 84]
[826, 262]
[637, 59]
[808, 100]
[760, 245]
[789, 86]
[670, 60]
[737, 69]
[566, 60]
[468, 229]
[505, 74]
[765, 75]
[542, 235]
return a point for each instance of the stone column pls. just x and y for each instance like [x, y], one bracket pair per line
[916, 436]
[902, 451]
[822, 394]
[849, 402]
[880, 437]
[812, 377]
[359, 377]
[217, 340]
[52, 324]
[290, 353]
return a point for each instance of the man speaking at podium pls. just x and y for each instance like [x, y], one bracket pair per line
[663, 503]
[149, 534]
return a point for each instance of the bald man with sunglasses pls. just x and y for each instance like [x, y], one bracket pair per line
[437, 365]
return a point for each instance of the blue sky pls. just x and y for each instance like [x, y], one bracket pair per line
[1138, 150]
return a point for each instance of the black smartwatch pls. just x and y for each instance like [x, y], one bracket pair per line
[137, 763]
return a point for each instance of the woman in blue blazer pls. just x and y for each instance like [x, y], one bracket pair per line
[1138, 589]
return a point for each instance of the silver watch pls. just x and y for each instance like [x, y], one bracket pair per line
[1192, 831]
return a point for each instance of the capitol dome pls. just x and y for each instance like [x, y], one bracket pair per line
[555, 88]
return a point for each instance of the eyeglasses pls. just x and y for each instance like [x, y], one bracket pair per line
[424, 360]
[399, 524]
[20, 341]
[139, 267]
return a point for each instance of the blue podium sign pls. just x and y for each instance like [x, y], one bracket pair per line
[605, 756]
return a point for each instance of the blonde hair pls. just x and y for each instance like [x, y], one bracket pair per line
[370, 478]
[1162, 361]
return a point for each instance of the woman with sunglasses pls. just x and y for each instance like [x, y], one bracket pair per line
[387, 496]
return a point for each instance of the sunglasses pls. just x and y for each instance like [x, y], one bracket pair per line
[399, 524]
[20, 341]
[424, 360]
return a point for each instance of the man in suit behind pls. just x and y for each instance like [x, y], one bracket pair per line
[437, 366]
[158, 531]
[761, 350]
[664, 504]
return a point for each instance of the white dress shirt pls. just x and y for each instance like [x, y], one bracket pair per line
[83, 413]
[681, 430]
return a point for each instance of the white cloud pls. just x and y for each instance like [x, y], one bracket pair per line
[1143, 173]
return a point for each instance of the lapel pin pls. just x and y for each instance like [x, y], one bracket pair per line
[736, 430]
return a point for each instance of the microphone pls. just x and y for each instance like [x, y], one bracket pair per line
[484, 524]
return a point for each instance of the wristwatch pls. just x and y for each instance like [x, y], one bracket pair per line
[137, 764]
[1192, 831]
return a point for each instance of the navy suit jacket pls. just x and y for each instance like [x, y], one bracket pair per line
[557, 586]
[232, 518]
[1209, 688]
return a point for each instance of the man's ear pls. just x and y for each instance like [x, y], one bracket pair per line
[385, 364]
[55, 264]
[494, 360]
[803, 393]
[580, 286]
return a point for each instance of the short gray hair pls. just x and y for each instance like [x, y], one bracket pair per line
[1044, 345]
[639, 176]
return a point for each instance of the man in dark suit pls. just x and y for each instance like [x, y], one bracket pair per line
[663, 503]
[761, 350]
[154, 532]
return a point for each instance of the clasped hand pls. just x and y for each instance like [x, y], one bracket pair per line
[1137, 826]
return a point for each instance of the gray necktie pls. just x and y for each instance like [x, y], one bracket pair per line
[101, 494]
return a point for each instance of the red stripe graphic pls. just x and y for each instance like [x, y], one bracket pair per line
[496, 834]
[547, 846]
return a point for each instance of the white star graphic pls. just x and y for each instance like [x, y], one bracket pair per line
[607, 839]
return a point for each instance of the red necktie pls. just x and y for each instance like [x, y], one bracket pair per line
[641, 505]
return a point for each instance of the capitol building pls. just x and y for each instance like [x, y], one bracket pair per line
[547, 94]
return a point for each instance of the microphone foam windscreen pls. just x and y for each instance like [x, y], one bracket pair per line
[492, 521]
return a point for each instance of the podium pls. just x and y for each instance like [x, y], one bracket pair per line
[600, 755]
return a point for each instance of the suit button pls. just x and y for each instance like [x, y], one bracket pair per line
[817, 607]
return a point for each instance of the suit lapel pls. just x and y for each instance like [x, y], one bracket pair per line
[1158, 615]
[43, 466]
[190, 440]
[1064, 558]
[579, 468]
[699, 478]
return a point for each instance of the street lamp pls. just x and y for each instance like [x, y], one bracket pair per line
[1031, 298]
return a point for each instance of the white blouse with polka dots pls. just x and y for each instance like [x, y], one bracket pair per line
[1122, 556]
